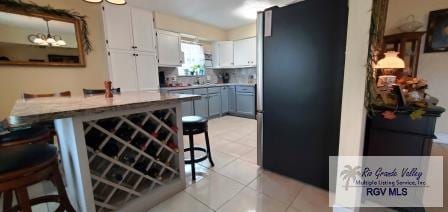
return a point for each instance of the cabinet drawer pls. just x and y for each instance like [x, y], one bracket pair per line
[200, 91]
[182, 91]
[245, 89]
[214, 90]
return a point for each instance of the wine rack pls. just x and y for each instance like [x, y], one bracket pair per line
[130, 155]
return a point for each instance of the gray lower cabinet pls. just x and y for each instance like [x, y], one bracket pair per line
[245, 100]
[224, 100]
[201, 105]
[214, 104]
[187, 107]
[216, 101]
[232, 99]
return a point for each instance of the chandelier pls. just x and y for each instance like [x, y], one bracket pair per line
[117, 2]
[47, 40]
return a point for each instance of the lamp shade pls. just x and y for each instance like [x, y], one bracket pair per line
[390, 61]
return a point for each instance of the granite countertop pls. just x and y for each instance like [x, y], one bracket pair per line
[35, 110]
[206, 86]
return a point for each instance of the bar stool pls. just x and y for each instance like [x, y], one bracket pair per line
[193, 125]
[26, 158]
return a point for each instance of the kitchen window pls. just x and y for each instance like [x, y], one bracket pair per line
[194, 60]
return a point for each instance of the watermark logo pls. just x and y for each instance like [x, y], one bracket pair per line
[374, 181]
[350, 173]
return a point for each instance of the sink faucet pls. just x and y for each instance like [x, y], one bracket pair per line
[197, 80]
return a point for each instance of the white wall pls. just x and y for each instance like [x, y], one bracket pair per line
[432, 66]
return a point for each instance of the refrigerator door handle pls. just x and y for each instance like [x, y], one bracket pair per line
[259, 86]
[259, 118]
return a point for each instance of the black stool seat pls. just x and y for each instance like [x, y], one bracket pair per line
[193, 125]
[28, 135]
[19, 157]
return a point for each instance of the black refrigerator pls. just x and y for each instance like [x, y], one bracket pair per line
[299, 90]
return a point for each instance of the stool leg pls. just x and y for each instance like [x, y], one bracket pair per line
[63, 198]
[193, 171]
[209, 152]
[23, 199]
[7, 200]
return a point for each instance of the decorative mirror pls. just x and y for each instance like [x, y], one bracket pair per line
[39, 39]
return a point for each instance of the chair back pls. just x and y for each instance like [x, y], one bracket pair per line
[91, 92]
[31, 96]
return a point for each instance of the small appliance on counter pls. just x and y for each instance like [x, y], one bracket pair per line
[225, 77]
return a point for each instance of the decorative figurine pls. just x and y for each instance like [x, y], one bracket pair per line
[108, 87]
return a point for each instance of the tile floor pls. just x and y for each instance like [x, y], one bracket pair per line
[236, 183]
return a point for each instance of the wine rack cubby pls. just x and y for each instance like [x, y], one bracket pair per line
[130, 155]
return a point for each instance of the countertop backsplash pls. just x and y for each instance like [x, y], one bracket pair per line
[237, 75]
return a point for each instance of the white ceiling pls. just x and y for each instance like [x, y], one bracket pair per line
[225, 14]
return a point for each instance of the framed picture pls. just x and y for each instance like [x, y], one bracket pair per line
[437, 32]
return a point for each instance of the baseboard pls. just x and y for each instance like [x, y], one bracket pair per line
[441, 138]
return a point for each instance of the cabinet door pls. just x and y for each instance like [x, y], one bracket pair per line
[147, 71]
[245, 103]
[187, 107]
[201, 105]
[118, 24]
[241, 52]
[168, 47]
[232, 99]
[214, 104]
[122, 70]
[224, 100]
[225, 52]
[245, 52]
[143, 30]
[252, 51]
[215, 55]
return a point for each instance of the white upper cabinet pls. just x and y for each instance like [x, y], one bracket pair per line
[129, 28]
[223, 54]
[132, 56]
[117, 21]
[122, 70]
[168, 48]
[245, 52]
[147, 71]
[143, 30]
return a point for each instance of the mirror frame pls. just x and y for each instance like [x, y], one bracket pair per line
[76, 22]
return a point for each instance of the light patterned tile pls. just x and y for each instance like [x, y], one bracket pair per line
[311, 198]
[234, 149]
[249, 200]
[250, 156]
[278, 187]
[214, 190]
[219, 159]
[241, 171]
[181, 202]
[201, 173]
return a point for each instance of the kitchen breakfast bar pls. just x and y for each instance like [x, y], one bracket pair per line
[119, 153]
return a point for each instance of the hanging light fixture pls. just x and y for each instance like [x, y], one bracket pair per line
[117, 2]
[47, 40]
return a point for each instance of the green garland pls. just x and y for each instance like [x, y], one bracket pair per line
[34, 8]
[375, 40]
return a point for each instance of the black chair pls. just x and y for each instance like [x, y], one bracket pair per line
[26, 158]
[193, 125]
[91, 92]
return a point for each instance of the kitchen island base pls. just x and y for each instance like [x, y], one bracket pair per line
[123, 160]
